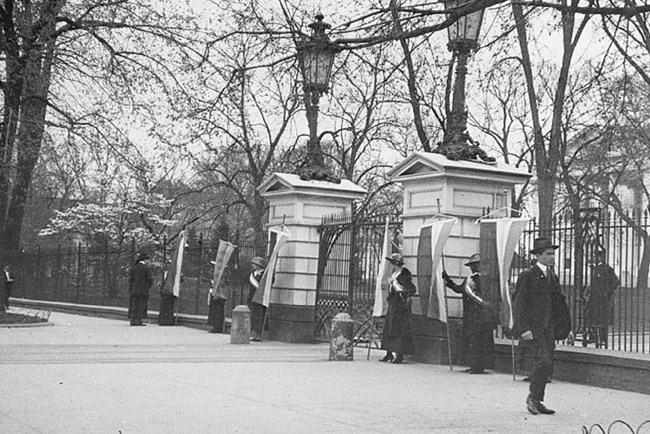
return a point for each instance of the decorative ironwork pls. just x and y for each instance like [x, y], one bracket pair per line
[349, 258]
[598, 428]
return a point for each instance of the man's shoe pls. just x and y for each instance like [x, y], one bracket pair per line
[531, 405]
[526, 379]
[477, 371]
[387, 358]
[543, 409]
[399, 359]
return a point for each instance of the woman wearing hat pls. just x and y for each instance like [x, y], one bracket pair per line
[396, 335]
[533, 320]
[478, 340]
[258, 311]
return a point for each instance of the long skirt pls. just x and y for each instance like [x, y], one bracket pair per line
[397, 335]
[216, 314]
[138, 307]
[258, 311]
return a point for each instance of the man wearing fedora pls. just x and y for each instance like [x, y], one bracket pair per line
[533, 321]
[477, 336]
[397, 335]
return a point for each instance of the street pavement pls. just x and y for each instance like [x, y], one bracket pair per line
[95, 375]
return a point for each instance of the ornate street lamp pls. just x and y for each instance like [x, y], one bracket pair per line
[463, 38]
[316, 57]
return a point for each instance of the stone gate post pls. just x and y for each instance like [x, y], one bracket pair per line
[463, 189]
[300, 206]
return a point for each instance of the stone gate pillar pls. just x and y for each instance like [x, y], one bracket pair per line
[463, 189]
[300, 206]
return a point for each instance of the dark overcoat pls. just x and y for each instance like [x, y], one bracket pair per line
[140, 281]
[475, 316]
[397, 335]
[532, 307]
[601, 296]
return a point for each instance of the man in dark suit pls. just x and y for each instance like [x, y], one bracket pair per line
[140, 282]
[533, 322]
[600, 300]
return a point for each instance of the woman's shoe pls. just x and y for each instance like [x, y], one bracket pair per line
[399, 359]
[387, 358]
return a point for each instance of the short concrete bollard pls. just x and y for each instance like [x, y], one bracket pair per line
[342, 342]
[240, 329]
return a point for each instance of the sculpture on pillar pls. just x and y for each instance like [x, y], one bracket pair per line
[463, 35]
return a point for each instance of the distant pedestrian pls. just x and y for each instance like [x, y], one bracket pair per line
[477, 329]
[397, 335]
[140, 282]
[8, 286]
[258, 310]
[216, 312]
[533, 320]
[600, 300]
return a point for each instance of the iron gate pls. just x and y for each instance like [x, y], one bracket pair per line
[350, 252]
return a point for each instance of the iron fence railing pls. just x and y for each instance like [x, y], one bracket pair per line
[100, 276]
[349, 262]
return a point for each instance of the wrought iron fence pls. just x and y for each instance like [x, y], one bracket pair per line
[625, 243]
[350, 256]
[100, 276]
[349, 259]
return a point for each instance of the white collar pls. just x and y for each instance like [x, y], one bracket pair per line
[542, 267]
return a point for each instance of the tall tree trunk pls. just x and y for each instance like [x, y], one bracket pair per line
[414, 95]
[34, 83]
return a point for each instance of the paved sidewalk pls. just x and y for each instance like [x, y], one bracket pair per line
[93, 375]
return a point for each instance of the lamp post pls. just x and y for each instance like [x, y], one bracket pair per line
[316, 57]
[463, 38]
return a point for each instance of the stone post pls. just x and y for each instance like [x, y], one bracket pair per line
[342, 338]
[300, 205]
[240, 329]
[434, 185]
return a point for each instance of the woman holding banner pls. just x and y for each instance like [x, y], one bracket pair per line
[396, 335]
[478, 342]
[258, 311]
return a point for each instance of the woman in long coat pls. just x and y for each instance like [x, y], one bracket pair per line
[140, 282]
[397, 335]
[258, 310]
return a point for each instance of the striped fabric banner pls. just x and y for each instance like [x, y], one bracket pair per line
[224, 251]
[509, 230]
[381, 285]
[434, 234]
[263, 293]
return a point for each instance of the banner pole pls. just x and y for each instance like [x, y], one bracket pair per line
[512, 342]
[266, 314]
[451, 368]
[371, 340]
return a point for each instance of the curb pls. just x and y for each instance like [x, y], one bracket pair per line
[27, 325]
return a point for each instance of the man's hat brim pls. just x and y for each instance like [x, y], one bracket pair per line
[541, 249]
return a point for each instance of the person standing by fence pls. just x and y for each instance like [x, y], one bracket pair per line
[140, 282]
[8, 287]
[397, 336]
[258, 311]
[600, 301]
[478, 340]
